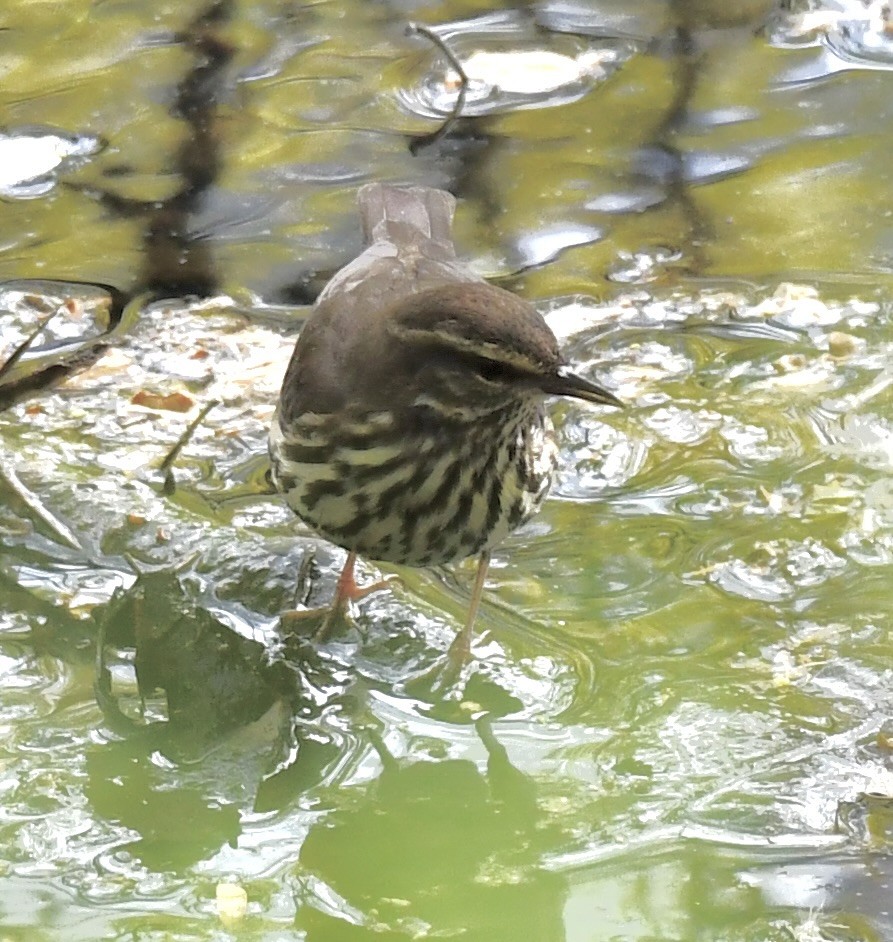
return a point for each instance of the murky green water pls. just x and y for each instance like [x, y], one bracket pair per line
[678, 721]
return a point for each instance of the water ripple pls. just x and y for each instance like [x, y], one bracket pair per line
[509, 67]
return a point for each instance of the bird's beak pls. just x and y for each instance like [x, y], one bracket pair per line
[565, 383]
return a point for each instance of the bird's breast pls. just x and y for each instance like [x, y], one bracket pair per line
[421, 496]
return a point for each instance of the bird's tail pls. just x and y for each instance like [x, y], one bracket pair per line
[399, 214]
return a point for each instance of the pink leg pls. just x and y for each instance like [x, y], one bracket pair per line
[346, 589]
[460, 649]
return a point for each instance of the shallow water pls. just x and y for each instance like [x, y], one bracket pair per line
[678, 721]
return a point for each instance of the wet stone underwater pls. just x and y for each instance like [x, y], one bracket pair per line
[677, 725]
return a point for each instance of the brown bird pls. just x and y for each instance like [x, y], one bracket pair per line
[411, 426]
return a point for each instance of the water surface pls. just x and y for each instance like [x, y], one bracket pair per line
[677, 726]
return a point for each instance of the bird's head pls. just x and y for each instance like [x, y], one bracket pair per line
[470, 349]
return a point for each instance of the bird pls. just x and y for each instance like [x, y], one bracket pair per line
[411, 426]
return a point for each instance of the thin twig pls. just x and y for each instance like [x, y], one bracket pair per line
[416, 29]
[34, 503]
[20, 350]
[173, 454]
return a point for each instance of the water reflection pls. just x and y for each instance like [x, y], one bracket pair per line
[125, 786]
[396, 860]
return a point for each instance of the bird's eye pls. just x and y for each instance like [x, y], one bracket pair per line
[491, 370]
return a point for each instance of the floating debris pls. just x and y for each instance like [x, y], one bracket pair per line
[169, 402]
[842, 345]
[232, 903]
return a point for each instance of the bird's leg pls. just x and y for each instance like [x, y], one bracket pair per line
[460, 650]
[443, 677]
[346, 591]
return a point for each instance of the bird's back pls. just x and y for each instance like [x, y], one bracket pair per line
[409, 246]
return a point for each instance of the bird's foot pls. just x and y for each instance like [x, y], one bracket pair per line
[319, 621]
[339, 612]
[447, 677]
[356, 592]
[459, 652]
